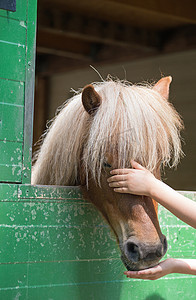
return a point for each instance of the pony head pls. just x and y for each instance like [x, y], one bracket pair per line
[102, 128]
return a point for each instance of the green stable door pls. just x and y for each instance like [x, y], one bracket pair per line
[53, 244]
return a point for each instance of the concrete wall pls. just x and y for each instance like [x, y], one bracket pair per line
[181, 66]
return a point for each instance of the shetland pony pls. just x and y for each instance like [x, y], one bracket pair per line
[102, 128]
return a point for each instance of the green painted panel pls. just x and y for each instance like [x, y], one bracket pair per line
[181, 241]
[19, 14]
[168, 219]
[8, 192]
[59, 273]
[67, 280]
[13, 293]
[18, 278]
[11, 153]
[173, 289]
[51, 242]
[11, 161]
[29, 90]
[10, 173]
[58, 244]
[38, 192]
[190, 195]
[68, 215]
[15, 246]
[55, 245]
[12, 32]
[97, 273]
[11, 122]
[11, 92]
[13, 49]
[17, 60]
[12, 61]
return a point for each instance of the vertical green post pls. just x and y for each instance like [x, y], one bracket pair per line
[17, 73]
[29, 90]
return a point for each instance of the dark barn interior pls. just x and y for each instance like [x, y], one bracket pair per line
[140, 40]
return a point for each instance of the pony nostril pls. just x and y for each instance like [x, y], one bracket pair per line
[164, 245]
[160, 250]
[136, 251]
[132, 252]
[159, 253]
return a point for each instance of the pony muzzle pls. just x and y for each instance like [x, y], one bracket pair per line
[137, 255]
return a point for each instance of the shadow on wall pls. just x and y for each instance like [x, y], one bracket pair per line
[154, 297]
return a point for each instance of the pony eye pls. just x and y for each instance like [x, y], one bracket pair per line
[106, 165]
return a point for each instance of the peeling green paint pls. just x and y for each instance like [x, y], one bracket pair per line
[62, 244]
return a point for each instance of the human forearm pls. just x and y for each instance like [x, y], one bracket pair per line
[184, 266]
[180, 206]
[140, 181]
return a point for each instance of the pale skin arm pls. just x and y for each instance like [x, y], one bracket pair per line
[168, 266]
[140, 181]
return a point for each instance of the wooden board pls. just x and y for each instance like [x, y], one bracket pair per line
[55, 245]
[17, 48]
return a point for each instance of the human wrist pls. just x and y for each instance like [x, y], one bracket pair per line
[152, 187]
[184, 266]
[173, 265]
[180, 266]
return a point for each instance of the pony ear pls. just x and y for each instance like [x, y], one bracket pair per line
[91, 100]
[162, 86]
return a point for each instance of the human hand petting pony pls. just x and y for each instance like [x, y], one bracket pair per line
[140, 181]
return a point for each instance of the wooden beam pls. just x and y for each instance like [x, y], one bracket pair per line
[50, 42]
[128, 37]
[61, 53]
[67, 40]
[69, 27]
[178, 10]
[181, 39]
[49, 65]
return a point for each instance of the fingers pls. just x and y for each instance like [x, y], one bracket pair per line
[117, 178]
[117, 184]
[120, 171]
[137, 275]
[121, 190]
[136, 165]
[151, 274]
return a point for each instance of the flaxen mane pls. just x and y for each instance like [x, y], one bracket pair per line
[133, 122]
